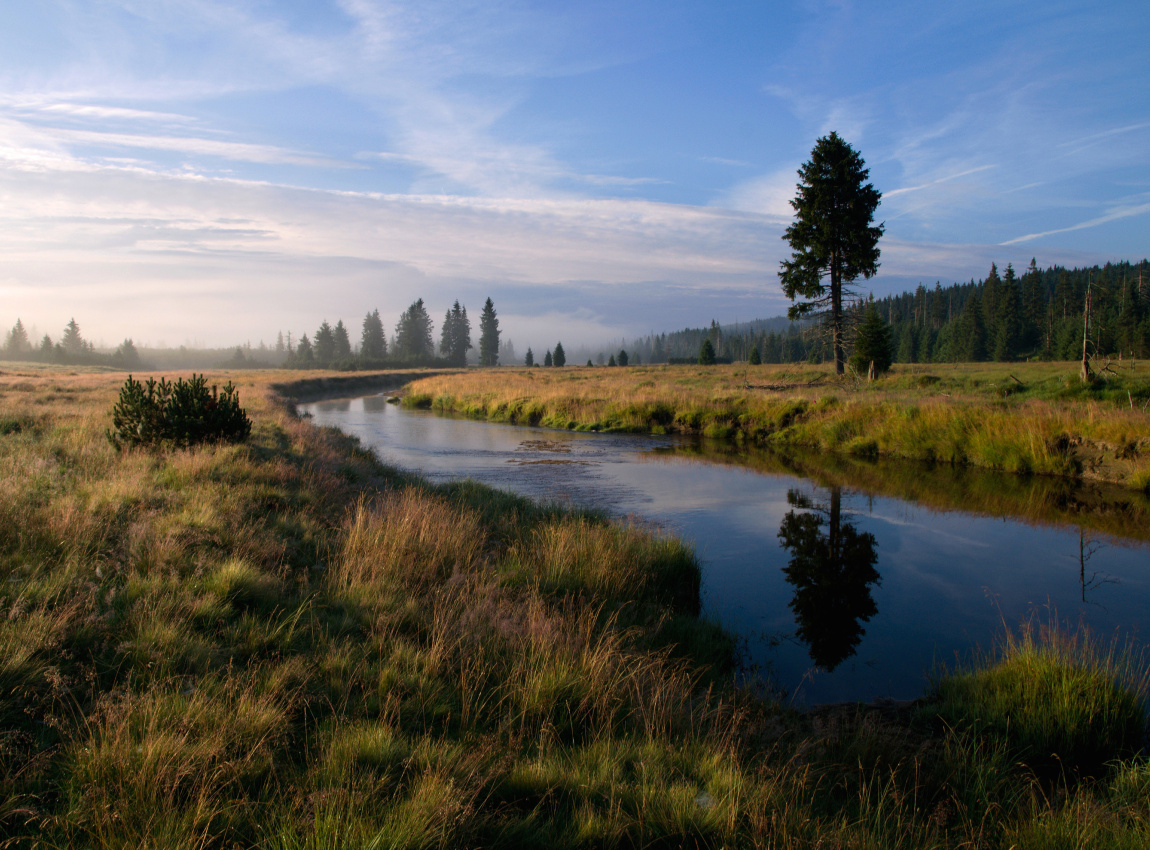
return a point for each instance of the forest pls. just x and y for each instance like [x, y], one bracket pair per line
[1038, 314]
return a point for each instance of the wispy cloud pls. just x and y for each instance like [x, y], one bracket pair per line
[894, 193]
[1112, 215]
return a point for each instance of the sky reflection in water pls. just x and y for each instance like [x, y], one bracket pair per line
[838, 595]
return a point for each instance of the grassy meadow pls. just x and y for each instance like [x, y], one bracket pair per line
[285, 644]
[1018, 417]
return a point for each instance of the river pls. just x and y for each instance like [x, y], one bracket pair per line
[837, 592]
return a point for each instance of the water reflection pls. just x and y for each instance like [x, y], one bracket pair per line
[832, 568]
[962, 551]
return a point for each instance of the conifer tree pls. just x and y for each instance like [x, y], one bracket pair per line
[755, 358]
[455, 338]
[1033, 308]
[872, 344]
[589, 363]
[611, 361]
[488, 335]
[324, 345]
[707, 353]
[529, 360]
[413, 333]
[341, 349]
[72, 342]
[1063, 295]
[990, 288]
[623, 359]
[971, 342]
[126, 356]
[372, 342]
[17, 345]
[560, 356]
[1007, 317]
[833, 240]
[303, 354]
[547, 361]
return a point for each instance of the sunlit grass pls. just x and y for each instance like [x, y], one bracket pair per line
[1021, 417]
[284, 644]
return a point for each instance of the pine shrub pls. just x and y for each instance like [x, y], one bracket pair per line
[183, 413]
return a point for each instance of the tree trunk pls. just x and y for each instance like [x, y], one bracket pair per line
[1085, 373]
[837, 317]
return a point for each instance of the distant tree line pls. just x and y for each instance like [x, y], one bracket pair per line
[412, 342]
[1038, 314]
[71, 349]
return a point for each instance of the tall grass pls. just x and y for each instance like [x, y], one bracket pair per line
[1058, 699]
[1021, 418]
[285, 644]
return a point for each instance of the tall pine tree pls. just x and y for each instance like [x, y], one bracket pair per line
[341, 347]
[413, 334]
[488, 335]
[833, 238]
[373, 343]
[455, 338]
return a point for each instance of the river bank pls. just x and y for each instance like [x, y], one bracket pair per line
[284, 643]
[1021, 418]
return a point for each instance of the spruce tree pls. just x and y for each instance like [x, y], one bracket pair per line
[72, 342]
[126, 356]
[560, 356]
[990, 288]
[341, 350]
[547, 360]
[303, 354]
[488, 335]
[324, 344]
[455, 339]
[872, 344]
[833, 240]
[971, 346]
[373, 343]
[611, 361]
[589, 363]
[754, 359]
[529, 360]
[707, 353]
[1007, 317]
[17, 345]
[1033, 309]
[623, 359]
[413, 333]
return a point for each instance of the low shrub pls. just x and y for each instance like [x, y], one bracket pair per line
[183, 413]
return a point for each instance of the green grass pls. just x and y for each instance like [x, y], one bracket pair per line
[1058, 701]
[285, 644]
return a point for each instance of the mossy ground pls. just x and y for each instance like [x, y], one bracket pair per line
[284, 644]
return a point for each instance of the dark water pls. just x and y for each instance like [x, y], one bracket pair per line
[839, 595]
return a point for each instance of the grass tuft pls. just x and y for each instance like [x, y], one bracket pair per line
[1060, 701]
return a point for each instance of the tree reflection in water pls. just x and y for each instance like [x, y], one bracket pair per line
[832, 568]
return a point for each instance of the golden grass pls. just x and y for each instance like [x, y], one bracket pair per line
[1022, 418]
[284, 644]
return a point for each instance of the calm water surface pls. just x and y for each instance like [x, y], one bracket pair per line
[837, 594]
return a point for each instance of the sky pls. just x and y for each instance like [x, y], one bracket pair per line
[210, 173]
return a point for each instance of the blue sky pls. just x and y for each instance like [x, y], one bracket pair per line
[213, 172]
